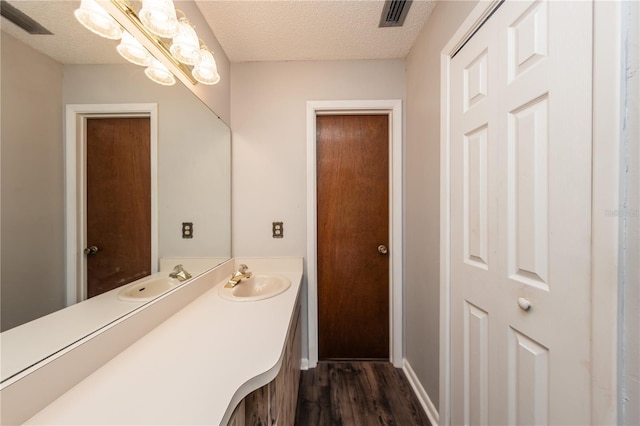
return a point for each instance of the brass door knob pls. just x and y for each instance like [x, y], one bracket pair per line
[91, 250]
[382, 249]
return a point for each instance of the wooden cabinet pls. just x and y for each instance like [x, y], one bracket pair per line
[283, 391]
[237, 418]
[275, 403]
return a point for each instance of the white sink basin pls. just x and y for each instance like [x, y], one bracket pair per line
[258, 287]
[147, 288]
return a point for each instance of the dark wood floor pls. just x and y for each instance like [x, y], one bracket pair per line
[357, 394]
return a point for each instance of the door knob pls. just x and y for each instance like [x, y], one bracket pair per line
[91, 250]
[524, 304]
[382, 249]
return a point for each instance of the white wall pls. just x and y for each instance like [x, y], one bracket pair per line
[422, 193]
[32, 184]
[268, 121]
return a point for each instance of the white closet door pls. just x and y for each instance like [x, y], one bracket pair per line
[521, 217]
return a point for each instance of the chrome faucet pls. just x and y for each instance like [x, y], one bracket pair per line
[238, 276]
[179, 273]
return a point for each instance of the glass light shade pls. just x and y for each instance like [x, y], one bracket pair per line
[134, 52]
[97, 20]
[157, 72]
[159, 16]
[206, 71]
[186, 46]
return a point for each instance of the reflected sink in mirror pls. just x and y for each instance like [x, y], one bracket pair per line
[148, 288]
[258, 287]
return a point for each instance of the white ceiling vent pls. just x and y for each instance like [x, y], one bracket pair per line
[394, 12]
[21, 19]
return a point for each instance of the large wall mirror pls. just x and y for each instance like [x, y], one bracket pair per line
[45, 80]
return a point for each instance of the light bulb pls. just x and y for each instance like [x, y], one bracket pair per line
[206, 70]
[134, 52]
[159, 16]
[157, 72]
[97, 20]
[185, 46]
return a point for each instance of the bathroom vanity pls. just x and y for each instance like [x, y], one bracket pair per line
[211, 359]
[275, 403]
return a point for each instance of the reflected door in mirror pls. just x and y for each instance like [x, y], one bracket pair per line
[118, 202]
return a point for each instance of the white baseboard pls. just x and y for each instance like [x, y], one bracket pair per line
[304, 364]
[424, 399]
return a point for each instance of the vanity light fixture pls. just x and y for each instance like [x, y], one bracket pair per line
[158, 23]
[133, 51]
[97, 20]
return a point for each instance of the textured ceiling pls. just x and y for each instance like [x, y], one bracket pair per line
[71, 42]
[248, 30]
[288, 30]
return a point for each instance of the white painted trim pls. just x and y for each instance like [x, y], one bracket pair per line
[445, 245]
[304, 364]
[422, 395]
[394, 109]
[75, 178]
[607, 107]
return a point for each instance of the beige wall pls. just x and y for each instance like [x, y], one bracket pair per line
[32, 184]
[268, 110]
[422, 194]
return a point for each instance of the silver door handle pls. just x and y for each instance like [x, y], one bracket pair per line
[382, 249]
[91, 250]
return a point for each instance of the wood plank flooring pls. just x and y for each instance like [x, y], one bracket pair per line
[357, 394]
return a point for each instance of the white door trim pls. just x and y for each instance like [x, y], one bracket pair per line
[75, 191]
[394, 109]
[606, 155]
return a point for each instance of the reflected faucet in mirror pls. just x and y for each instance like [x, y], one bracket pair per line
[180, 273]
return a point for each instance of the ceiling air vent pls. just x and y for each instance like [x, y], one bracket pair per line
[21, 19]
[394, 12]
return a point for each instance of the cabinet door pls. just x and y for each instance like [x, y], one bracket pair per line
[275, 403]
[238, 416]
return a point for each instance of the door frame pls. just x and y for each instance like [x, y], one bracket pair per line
[393, 109]
[75, 186]
[607, 107]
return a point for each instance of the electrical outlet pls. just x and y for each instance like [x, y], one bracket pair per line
[187, 229]
[277, 230]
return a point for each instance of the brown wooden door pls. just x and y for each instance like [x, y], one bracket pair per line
[118, 202]
[353, 220]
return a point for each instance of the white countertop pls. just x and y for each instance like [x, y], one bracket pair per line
[191, 369]
[26, 345]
